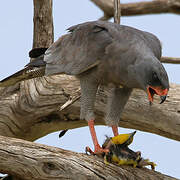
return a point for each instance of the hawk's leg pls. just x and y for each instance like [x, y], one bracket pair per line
[97, 147]
[89, 86]
[115, 130]
[116, 102]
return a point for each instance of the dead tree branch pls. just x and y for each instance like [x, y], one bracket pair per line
[170, 60]
[33, 111]
[117, 11]
[36, 161]
[43, 35]
[139, 8]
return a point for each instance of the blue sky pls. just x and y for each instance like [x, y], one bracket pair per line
[16, 34]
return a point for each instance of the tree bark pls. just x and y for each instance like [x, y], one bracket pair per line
[170, 60]
[36, 161]
[139, 8]
[117, 11]
[33, 111]
[43, 35]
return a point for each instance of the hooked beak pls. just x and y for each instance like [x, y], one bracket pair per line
[163, 98]
[151, 91]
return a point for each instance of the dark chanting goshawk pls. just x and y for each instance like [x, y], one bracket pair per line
[104, 53]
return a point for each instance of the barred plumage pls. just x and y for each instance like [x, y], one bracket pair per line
[24, 74]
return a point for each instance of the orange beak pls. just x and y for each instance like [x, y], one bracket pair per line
[156, 90]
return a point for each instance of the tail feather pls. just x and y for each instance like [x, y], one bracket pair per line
[34, 69]
[24, 74]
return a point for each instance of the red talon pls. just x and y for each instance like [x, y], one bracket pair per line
[88, 150]
[115, 130]
[97, 148]
[97, 151]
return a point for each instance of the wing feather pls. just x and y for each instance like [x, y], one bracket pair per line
[77, 51]
[84, 47]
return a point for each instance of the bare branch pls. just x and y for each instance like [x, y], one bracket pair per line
[140, 8]
[40, 162]
[43, 24]
[32, 111]
[117, 11]
[170, 60]
[72, 99]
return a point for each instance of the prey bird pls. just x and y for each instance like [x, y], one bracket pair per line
[120, 153]
[102, 53]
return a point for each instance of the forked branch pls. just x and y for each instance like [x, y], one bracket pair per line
[139, 8]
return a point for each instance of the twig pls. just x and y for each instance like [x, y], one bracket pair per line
[117, 11]
[72, 99]
[170, 60]
[139, 8]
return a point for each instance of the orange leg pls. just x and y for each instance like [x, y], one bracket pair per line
[115, 130]
[97, 147]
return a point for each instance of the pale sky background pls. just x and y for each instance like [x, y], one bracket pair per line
[16, 32]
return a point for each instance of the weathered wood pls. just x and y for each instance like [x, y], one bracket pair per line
[170, 60]
[43, 35]
[34, 112]
[117, 11]
[36, 161]
[139, 8]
